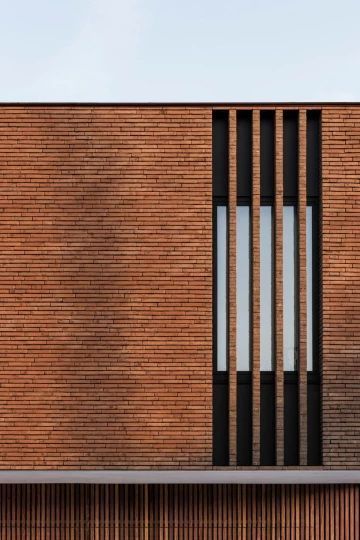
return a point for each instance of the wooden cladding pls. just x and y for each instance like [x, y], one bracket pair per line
[178, 512]
[274, 174]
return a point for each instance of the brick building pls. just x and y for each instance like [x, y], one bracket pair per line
[180, 321]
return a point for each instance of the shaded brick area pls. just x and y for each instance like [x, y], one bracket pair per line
[105, 286]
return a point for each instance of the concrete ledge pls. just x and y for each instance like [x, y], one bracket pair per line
[180, 477]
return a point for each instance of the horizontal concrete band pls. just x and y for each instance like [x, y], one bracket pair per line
[181, 477]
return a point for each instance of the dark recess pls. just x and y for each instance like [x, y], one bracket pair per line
[221, 419]
[244, 418]
[314, 420]
[220, 153]
[267, 153]
[267, 418]
[291, 418]
[313, 153]
[291, 160]
[244, 153]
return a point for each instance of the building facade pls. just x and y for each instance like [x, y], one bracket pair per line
[180, 321]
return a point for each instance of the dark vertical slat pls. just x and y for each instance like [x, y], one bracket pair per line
[314, 420]
[244, 419]
[313, 158]
[290, 153]
[291, 418]
[220, 145]
[267, 419]
[267, 154]
[244, 154]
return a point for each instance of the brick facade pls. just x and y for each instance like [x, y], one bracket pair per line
[106, 287]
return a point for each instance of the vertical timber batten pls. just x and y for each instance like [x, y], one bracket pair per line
[302, 367]
[255, 249]
[123, 512]
[279, 364]
[232, 291]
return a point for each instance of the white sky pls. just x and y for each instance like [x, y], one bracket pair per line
[184, 50]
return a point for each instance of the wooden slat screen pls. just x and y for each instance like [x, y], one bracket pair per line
[178, 512]
[291, 179]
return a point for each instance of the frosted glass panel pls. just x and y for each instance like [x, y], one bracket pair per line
[243, 288]
[266, 288]
[309, 287]
[289, 288]
[221, 288]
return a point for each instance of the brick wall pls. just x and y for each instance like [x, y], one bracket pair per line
[105, 287]
[341, 286]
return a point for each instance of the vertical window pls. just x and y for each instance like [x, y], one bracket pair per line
[289, 289]
[266, 288]
[221, 288]
[243, 288]
[309, 286]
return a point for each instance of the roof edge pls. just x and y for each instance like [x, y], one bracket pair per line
[180, 104]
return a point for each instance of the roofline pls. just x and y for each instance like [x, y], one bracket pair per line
[212, 104]
[298, 476]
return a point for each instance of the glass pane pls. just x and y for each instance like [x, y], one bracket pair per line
[266, 289]
[243, 288]
[309, 287]
[221, 288]
[289, 288]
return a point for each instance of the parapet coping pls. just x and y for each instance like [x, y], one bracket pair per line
[228, 476]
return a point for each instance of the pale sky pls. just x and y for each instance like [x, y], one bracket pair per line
[184, 50]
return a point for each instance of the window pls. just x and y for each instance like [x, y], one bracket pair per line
[290, 348]
[266, 288]
[243, 288]
[309, 286]
[257, 287]
[221, 288]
